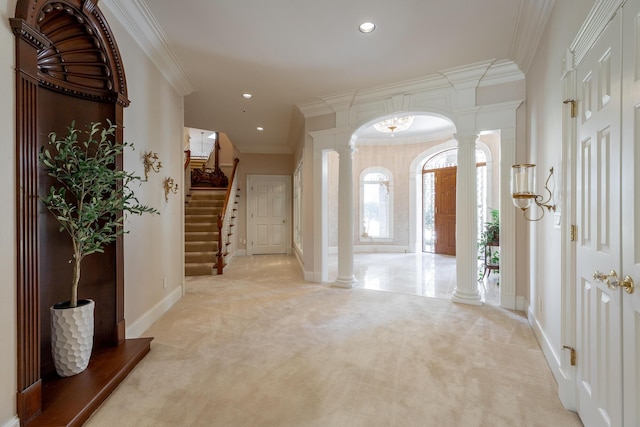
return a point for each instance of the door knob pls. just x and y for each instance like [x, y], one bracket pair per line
[611, 279]
[600, 277]
[627, 284]
[612, 282]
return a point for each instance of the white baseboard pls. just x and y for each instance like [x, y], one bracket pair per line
[13, 422]
[564, 376]
[522, 304]
[552, 357]
[567, 389]
[241, 252]
[308, 276]
[137, 328]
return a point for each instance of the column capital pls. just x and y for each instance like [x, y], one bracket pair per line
[331, 139]
[348, 150]
[467, 138]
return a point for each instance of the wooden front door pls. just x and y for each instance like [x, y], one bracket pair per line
[445, 211]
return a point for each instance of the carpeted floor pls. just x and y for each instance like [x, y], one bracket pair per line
[258, 346]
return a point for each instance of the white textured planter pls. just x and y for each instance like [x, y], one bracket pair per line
[72, 337]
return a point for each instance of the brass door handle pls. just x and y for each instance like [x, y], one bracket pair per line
[611, 279]
[598, 276]
[627, 284]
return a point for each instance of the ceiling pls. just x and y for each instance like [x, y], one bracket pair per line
[290, 52]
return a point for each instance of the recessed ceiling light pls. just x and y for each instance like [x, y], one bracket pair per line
[260, 128]
[367, 27]
[247, 95]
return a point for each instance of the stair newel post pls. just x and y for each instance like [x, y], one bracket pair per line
[216, 151]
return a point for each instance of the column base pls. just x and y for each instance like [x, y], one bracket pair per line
[472, 298]
[346, 283]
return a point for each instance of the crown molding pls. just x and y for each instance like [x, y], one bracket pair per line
[467, 76]
[499, 72]
[136, 18]
[315, 108]
[531, 23]
[598, 18]
[479, 74]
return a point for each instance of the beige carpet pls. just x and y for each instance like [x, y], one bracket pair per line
[258, 346]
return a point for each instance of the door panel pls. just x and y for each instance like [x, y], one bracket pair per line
[630, 189]
[268, 217]
[599, 345]
[445, 211]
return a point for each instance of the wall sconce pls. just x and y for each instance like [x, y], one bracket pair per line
[151, 162]
[169, 186]
[523, 189]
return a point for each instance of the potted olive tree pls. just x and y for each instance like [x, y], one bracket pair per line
[89, 199]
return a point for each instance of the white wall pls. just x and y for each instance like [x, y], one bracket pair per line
[154, 246]
[544, 124]
[8, 279]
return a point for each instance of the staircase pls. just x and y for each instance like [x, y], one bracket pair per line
[197, 162]
[201, 231]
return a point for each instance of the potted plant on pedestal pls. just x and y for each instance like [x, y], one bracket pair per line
[90, 199]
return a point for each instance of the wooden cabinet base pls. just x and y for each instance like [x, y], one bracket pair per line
[71, 401]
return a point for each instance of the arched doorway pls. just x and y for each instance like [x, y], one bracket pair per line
[438, 199]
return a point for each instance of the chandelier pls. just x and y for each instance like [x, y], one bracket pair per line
[394, 124]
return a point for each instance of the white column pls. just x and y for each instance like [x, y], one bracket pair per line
[508, 213]
[346, 278]
[466, 229]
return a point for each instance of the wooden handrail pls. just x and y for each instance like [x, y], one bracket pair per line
[222, 216]
[188, 159]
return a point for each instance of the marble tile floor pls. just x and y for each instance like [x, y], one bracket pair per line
[423, 274]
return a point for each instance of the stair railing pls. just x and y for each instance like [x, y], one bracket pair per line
[187, 174]
[226, 219]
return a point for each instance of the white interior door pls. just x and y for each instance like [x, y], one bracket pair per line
[598, 328]
[268, 216]
[631, 211]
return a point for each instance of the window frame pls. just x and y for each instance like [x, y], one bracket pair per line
[389, 179]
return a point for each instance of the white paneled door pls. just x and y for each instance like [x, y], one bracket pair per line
[268, 214]
[630, 216]
[608, 241]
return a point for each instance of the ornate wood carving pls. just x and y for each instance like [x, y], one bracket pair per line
[80, 57]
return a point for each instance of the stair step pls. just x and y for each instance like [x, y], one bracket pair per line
[190, 219]
[199, 194]
[201, 226]
[202, 211]
[200, 247]
[198, 269]
[200, 258]
[200, 236]
[206, 203]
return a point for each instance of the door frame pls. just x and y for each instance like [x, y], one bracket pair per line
[286, 179]
[597, 20]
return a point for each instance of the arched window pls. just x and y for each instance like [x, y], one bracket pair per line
[376, 204]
